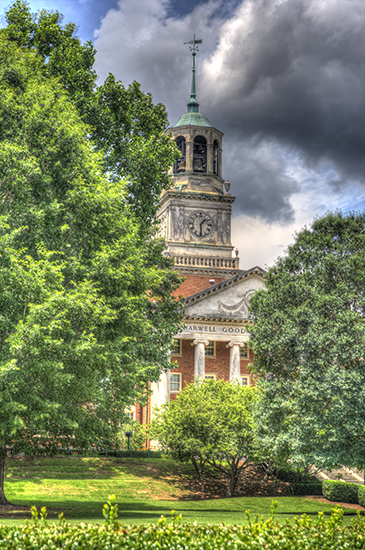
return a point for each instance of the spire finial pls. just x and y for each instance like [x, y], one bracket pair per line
[193, 105]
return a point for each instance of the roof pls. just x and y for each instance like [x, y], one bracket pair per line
[193, 119]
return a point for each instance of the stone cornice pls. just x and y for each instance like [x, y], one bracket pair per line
[186, 270]
[194, 195]
[217, 319]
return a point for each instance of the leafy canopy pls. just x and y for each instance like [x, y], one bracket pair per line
[308, 336]
[124, 124]
[210, 422]
[86, 316]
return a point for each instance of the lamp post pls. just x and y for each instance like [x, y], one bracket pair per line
[129, 435]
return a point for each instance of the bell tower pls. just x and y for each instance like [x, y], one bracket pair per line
[195, 213]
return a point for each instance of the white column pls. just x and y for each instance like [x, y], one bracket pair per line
[199, 357]
[234, 360]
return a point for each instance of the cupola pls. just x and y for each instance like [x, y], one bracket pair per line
[200, 166]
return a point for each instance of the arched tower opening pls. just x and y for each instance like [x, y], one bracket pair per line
[180, 163]
[200, 155]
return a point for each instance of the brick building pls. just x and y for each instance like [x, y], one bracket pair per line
[195, 216]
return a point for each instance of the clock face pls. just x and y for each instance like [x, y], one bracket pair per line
[200, 224]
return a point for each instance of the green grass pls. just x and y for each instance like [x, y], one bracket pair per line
[144, 489]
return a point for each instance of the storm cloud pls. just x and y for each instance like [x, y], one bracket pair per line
[293, 71]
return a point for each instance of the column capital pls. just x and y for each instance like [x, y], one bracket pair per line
[233, 343]
[196, 342]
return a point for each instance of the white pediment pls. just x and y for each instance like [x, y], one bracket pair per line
[227, 300]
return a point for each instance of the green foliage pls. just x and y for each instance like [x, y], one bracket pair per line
[361, 495]
[317, 534]
[210, 423]
[340, 491]
[297, 489]
[123, 123]
[308, 337]
[86, 314]
[110, 513]
[138, 439]
[295, 475]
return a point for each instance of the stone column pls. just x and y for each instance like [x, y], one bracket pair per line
[199, 357]
[209, 158]
[220, 163]
[189, 156]
[234, 360]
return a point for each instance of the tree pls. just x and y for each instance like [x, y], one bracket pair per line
[308, 336]
[124, 124]
[86, 314]
[210, 423]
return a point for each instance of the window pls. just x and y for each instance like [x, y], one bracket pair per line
[200, 154]
[175, 382]
[180, 165]
[176, 349]
[130, 415]
[244, 352]
[210, 349]
[210, 376]
[246, 380]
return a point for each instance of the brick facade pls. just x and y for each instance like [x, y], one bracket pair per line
[218, 365]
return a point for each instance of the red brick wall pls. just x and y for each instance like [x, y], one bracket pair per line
[219, 365]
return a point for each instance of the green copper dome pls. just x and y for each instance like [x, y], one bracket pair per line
[193, 119]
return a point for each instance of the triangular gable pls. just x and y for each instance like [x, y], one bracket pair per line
[228, 299]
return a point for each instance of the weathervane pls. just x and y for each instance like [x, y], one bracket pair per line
[193, 105]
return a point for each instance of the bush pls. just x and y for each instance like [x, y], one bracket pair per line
[361, 495]
[295, 475]
[340, 491]
[300, 489]
[317, 534]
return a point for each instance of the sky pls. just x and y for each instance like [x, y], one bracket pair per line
[283, 79]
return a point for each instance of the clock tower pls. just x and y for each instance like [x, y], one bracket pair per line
[195, 213]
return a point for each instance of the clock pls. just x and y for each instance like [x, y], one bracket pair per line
[200, 224]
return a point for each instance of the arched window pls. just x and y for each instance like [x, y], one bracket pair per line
[215, 157]
[200, 154]
[180, 163]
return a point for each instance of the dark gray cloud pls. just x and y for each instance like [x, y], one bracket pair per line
[293, 71]
[260, 182]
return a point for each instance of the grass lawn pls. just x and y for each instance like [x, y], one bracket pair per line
[144, 489]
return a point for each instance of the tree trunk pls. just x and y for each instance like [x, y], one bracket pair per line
[3, 500]
[232, 485]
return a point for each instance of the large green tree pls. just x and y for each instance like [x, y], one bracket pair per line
[124, 124]
[209, 423]
[308, 336]
[86, 314]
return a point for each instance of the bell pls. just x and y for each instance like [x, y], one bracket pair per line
[182, 166]
[198, 165]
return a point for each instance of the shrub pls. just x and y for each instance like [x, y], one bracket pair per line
[300, 489]
[317, 534]
[361, 495]
[340, 491]
[295, 475]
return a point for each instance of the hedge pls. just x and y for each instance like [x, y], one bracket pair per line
[361, 495]
[340, 491]
[304, 533]
[301, 489]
